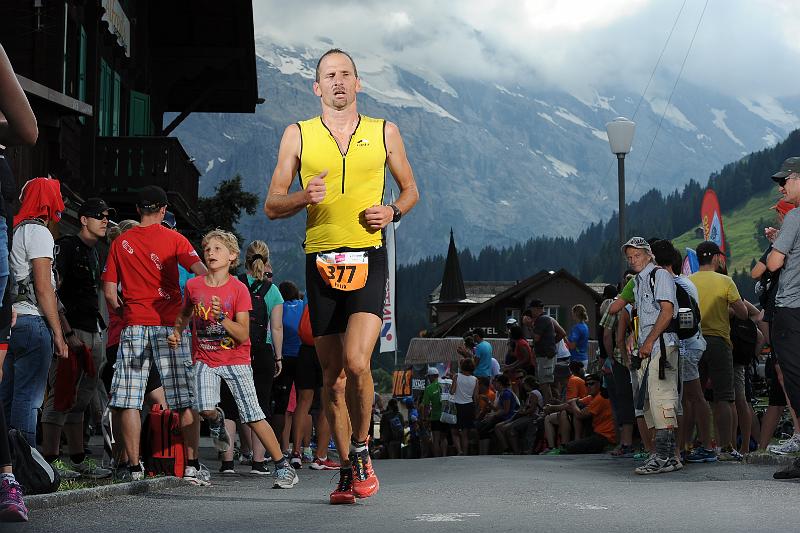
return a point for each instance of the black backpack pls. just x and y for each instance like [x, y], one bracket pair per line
[744, 336]
[690, 319]
[397, 427]
[260, 312]
[36, 475]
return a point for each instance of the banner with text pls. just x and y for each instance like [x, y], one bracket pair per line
[388, 331]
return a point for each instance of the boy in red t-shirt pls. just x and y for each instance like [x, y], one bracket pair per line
[219, 308]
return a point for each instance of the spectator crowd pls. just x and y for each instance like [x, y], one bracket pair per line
[686, 372]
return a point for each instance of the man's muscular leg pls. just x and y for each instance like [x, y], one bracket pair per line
[331, 359]
[359, 341]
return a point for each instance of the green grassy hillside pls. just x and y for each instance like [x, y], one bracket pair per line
[740, 230]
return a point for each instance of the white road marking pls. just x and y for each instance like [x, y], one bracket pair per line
[445, 517]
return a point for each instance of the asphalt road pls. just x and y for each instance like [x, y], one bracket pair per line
[505, 493]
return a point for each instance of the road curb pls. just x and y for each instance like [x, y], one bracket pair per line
[59, 499]
[770, 459]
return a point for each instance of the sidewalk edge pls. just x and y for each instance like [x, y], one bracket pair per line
[59, 499]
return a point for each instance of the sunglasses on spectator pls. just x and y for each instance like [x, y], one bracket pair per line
[782, 181]
[268, 274]
[590, 383]
[99, 216]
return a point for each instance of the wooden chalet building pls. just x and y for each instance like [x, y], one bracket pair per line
[101, 74]
[456, 306]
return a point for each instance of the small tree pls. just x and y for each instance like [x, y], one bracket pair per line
[224, 209]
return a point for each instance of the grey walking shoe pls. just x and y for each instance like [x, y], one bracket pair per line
[285, 478]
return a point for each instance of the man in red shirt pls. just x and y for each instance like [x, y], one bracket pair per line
[144, 261]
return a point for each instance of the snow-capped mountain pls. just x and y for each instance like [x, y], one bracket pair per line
[498, 163]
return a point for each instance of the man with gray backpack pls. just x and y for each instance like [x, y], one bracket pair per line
[657, 307]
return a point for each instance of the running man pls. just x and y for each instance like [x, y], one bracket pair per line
[340, 157]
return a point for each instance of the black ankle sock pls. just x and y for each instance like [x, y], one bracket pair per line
[51, 458]
[227, 465]
[193, 462]
[135, 468]
[357, 444]
[77, 458]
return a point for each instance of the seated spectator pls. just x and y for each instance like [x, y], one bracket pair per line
[558, 415]
[506, 405]
[525, 420]
[576, 383]
[520, 353]
[486, 398]
[392, 428]
[596, 407]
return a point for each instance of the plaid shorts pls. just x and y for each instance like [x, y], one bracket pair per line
[239, 379]
[139, 346]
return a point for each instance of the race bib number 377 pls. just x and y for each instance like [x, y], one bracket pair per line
[344, 271]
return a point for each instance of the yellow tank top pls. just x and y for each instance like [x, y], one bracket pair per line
[355, 181]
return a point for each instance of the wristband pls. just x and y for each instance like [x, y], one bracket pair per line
[278, 359]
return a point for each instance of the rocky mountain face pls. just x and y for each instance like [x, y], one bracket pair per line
[497, 164]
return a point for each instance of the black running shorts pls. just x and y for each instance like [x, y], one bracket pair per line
[308, 374]
[329, 309]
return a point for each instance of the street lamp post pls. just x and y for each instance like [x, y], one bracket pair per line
[620, 137]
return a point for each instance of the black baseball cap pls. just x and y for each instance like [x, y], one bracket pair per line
[151, 197]
[95, 207]
[593, 377]
[708, 249]
[536, 303]
[789, 166]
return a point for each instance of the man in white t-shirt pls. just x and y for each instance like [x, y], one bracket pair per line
[37, 331]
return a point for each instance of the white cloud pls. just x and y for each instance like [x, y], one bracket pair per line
[741, 49]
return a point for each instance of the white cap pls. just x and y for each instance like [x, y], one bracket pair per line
[511, 321]
[433, 371]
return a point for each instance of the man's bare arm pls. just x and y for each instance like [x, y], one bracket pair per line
[740, 310]
[199, 269]
[279, 203]
[377, 217]
[400, 169]
[775, 260]
[17, 121]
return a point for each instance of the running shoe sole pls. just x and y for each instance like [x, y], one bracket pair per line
[317, 466]
[197, 482]
[13, 514]
[281, 484]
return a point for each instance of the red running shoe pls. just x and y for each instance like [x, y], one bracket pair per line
[344, 490]
[324, 464]
[365, 482]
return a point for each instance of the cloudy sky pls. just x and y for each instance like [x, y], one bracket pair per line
[745, 48]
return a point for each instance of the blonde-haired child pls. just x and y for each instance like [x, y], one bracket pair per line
[219, 306]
